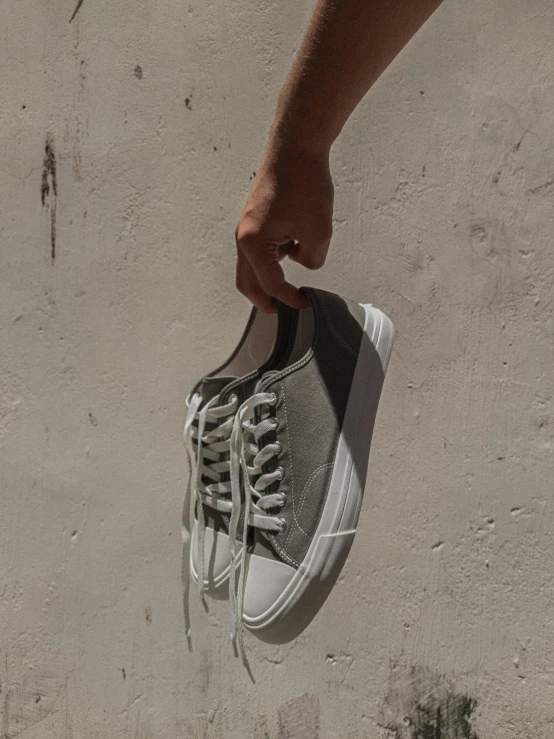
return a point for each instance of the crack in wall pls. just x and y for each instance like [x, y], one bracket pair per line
[49, 190]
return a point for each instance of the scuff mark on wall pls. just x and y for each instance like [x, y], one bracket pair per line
[31, 702]
[49, 190]
[12, 389]
[545, 188]
[260, 728]
[421, 704]
[299, 718]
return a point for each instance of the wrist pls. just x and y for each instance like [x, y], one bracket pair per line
[298, 121]
[295, 139]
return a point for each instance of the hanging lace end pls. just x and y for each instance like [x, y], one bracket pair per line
[185, 585]
[200, 545]
[241, 652]
[193, 404]
[232, 601]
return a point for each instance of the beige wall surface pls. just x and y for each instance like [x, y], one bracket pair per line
[129, 136]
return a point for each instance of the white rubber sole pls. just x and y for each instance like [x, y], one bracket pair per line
[337, 526]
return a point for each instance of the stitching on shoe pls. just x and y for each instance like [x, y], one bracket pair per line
[236, 383]
[284, 555]
[291, 471]
[333, 329]
[272, 537]
[310, 480]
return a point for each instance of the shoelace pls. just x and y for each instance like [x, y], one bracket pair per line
[248, 457]
[204, 449]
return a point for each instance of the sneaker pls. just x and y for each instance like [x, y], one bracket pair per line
[302, 441]
[211, 407]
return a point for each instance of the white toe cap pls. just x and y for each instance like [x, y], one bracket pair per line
[266, 582]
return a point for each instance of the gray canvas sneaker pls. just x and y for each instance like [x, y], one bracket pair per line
[299, 452]
[207, 431]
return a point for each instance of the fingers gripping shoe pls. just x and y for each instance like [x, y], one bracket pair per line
[305, 439]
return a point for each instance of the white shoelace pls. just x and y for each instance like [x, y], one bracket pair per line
[246, 455]
[240, 436]
[204, 449]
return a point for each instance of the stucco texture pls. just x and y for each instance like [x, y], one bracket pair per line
[129, 138]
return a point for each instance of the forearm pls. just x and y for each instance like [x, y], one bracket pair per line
[347, 46]
[289, 211]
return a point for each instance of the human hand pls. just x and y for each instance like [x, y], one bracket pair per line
[289, 212]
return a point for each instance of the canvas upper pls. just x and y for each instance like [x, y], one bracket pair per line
[263, 343]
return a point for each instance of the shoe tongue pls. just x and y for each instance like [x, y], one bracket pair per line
[209, 387]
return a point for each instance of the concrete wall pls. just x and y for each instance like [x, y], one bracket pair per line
[129, 138]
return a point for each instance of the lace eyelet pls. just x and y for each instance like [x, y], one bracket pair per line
[273, 399]
[281, 472]
[283, 525]
[283, 499]
[275, 423]
[279, 447]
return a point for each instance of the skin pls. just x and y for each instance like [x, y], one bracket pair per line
[289, 211]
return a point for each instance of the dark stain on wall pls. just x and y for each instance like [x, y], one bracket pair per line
[49, 190]
[421, 704]
[77, 9]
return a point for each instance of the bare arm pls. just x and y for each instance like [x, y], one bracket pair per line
[289, 211]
